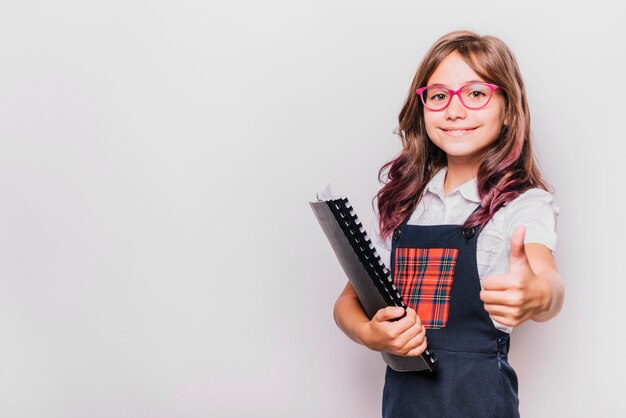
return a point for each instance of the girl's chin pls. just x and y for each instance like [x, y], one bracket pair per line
[461, 153]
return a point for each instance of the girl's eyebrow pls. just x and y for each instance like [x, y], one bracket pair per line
[467, 82]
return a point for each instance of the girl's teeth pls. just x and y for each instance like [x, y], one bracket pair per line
[459, 131]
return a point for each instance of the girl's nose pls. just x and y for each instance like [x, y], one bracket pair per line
[455, 109]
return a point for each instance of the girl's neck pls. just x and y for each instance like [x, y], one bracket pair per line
[458, 173]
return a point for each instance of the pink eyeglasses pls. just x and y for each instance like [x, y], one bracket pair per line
[473, 96]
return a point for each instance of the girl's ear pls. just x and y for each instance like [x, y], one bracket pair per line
[505, 120]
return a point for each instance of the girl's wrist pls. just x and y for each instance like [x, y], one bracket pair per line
[545, 296]
[362, 331]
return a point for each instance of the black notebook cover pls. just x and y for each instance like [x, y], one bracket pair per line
[367, 273]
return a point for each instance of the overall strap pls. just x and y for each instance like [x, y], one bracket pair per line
[470, 232]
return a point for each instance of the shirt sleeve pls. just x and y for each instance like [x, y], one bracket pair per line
[383, 247]
[537, 210]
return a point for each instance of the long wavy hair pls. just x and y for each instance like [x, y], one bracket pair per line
[507, 167]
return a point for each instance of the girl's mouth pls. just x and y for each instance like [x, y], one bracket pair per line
[458, 132]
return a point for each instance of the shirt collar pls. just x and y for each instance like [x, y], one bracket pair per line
[469, 189]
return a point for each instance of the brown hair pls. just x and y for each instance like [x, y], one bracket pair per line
[507, 167]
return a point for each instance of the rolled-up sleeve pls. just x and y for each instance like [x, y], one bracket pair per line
[537, 210]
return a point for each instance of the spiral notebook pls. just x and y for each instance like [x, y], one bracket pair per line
[367, 273]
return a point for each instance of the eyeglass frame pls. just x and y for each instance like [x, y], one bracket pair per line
[492, 88]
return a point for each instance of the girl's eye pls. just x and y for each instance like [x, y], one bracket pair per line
[476, 93]
[437, 96]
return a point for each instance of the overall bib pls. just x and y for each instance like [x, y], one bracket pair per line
[434, 266]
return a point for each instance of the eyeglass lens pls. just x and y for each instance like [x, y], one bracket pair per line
[473, 96]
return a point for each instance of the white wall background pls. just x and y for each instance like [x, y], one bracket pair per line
[158, 257]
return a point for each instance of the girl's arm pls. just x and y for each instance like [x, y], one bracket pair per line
[543, 265]
[349, 314]
[532, 289]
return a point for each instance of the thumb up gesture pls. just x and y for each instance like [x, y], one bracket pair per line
[517, 296]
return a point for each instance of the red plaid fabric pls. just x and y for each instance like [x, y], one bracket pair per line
[424, 277]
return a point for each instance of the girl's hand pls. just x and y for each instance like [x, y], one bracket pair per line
[513, 298]
[404, 337]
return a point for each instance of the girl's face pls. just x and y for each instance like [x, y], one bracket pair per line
[462, 133]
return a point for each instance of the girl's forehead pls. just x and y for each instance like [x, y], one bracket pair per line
[453, 72]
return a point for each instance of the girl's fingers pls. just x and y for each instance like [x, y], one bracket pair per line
[419, 349]
[417, 337]
[500, 282]
[499, 297]
[410, 336]
[505, 320]
[499, 310]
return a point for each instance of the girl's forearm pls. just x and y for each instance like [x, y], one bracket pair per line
[556, 293]
[350, 317]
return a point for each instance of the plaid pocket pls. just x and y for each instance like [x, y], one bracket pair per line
[424, 277]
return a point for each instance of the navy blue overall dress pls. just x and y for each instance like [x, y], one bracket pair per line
[436, 268]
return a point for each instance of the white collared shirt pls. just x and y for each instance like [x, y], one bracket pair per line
[536, 209]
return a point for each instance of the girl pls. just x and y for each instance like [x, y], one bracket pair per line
[470, 225]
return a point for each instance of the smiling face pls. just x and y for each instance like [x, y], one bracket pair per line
[462, 133]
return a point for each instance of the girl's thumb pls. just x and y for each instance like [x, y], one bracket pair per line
[390, 312]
